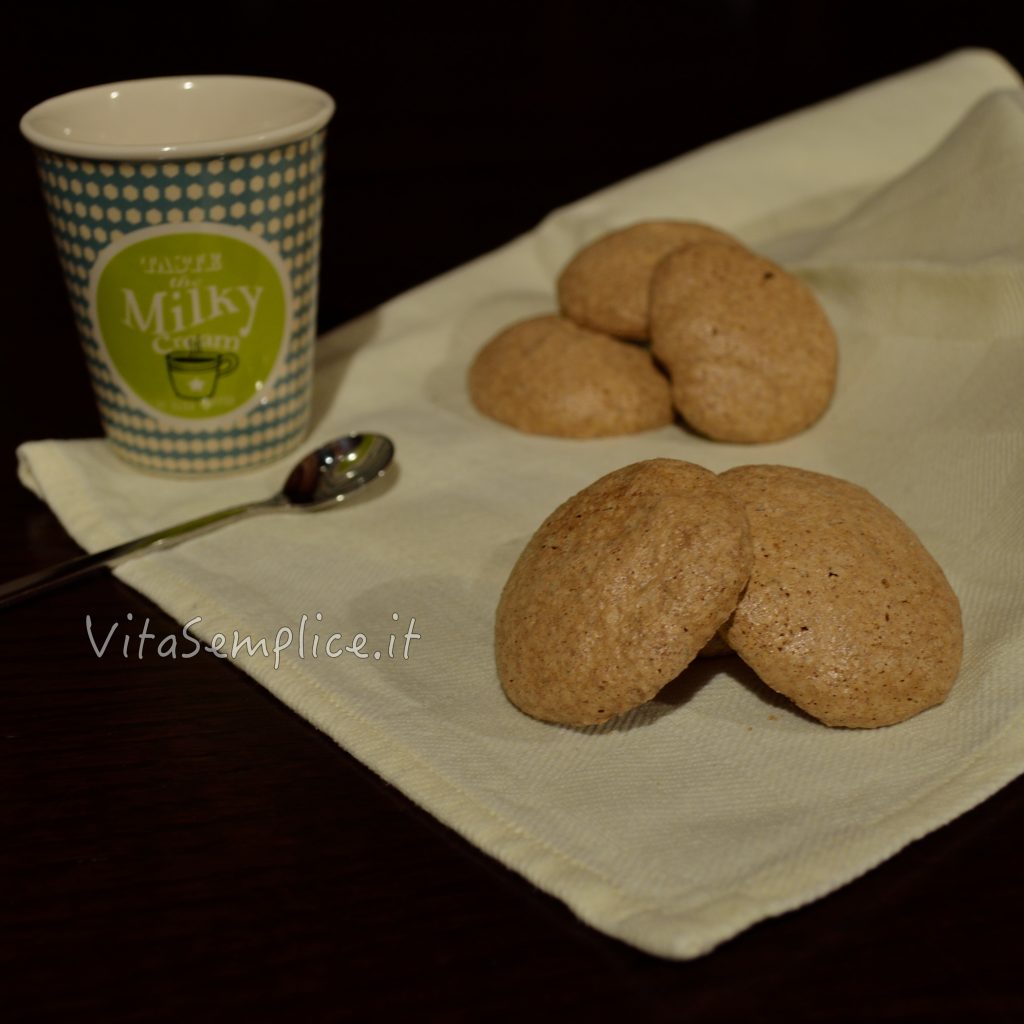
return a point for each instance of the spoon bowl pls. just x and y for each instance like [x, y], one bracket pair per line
[329, 475]
[338, 469]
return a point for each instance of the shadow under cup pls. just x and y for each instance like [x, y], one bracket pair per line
[186, 214]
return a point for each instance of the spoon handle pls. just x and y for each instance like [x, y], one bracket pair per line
[46, 579]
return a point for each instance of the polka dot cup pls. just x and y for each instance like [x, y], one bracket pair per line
[186, 213]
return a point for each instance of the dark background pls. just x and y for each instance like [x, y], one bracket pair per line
[178, 846]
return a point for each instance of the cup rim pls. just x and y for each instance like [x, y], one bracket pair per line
[33, 123]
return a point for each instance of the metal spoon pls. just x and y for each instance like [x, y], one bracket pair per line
[323, 478]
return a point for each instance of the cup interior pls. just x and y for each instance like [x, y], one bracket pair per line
[165, 118]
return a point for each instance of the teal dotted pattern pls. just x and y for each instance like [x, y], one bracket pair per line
[276, 194]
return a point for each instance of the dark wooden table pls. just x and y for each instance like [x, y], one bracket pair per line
[176, 845]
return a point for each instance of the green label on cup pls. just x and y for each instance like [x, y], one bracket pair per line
[194, 320]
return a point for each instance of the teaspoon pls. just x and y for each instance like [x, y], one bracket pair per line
[323, 478]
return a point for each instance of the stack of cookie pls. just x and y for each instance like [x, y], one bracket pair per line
[821, 589]
[658, 318]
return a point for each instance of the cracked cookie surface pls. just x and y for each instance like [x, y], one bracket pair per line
[846, 613]
[550, 376]
[750, 351]
[606, 285]
[618, 590]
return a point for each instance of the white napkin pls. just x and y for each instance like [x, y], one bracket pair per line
[714, 806]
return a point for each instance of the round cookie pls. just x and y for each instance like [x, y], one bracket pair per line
[845, 613]
[618, 590]
[605, 285]
[750, 351]
[549, 376]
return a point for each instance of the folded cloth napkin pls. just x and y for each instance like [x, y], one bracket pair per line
[715, 805]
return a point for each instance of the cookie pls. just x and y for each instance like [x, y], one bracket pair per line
[549, 376]
[845, 613]
[750, 351]
[605, 285]
[618, 590]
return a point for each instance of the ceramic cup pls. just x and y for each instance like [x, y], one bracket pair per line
[186, 213]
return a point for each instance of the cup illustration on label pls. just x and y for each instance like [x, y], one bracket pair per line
[194, 372]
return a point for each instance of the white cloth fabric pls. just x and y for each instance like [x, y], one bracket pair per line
[714, 806]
